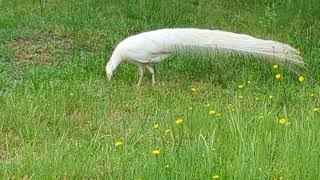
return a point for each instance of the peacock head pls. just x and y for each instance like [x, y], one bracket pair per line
[113, 63]
[109, 71]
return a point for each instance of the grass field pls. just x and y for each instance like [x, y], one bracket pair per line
[60, 118]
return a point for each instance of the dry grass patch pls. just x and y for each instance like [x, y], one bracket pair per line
[42, 50]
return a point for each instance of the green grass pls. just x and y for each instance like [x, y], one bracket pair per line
[60, 118]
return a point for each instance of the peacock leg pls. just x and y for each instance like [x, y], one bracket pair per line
[141, 72]
[152, 72]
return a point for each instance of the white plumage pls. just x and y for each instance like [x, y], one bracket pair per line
[154, 46]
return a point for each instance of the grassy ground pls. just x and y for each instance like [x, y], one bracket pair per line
[60, 118]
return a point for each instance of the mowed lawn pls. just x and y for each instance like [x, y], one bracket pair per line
[222, 116]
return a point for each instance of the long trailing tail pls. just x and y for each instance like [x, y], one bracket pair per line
[238, 43]
[280, 52]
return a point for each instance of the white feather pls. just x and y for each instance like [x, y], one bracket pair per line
[154, 46]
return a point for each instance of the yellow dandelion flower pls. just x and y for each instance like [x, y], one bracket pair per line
[240, 98]
[282, 121]
[241, 86]
[257, 98]
[167, 131]
[156, 126]
[179, 121]
[212, 112]
[167, 166]
[215, 177]
[278, 178]
[156, 152]
[270, 97]
[276, 66]
[233, 109]
[278, 76]
[298, 51]
[119, 143]
[316, 109]
[194, 89]
[312, 94]
[301, 78]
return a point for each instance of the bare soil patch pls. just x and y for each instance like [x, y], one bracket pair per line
[42, 50]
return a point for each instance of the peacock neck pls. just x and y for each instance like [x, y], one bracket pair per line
[115, 60]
